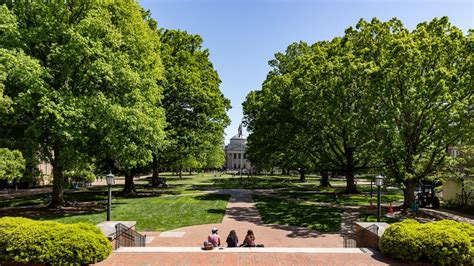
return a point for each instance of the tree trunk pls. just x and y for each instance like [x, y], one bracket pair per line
[190, 172]
[283, 171]
[351, 187]
[302, 175]
[349, 171]
[324, 179]
[129, 187]
[180, 173]
[155, 177]
[57, 198]
[409, 193]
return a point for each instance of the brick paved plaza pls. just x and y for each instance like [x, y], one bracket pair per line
[281, 244]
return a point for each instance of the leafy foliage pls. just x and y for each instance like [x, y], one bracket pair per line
[27, 241]
[445, 242]
[380, 97]
[81, 175]
[12, 164]
[195, 107]
[82, 81]
[423, 94]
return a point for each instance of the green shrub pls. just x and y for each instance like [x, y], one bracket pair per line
[12, 164]
[24, 240]
[83, 175]
[444, 242]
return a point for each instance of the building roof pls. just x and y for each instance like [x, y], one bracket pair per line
[238, 137]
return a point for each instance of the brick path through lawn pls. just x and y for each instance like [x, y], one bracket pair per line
[241, 215]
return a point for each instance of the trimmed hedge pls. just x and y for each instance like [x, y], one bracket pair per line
[24, 240]
[445, 242]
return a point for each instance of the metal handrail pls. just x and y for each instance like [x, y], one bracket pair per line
[350, 240]
[127, 237]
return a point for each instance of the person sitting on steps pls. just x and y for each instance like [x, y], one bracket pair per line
[214, 238]
[232, 239]
[249, 239]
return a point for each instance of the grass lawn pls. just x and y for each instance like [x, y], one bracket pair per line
[227, 181]
[160, 209]
[158, 213]
[292, 212]
[43, 198]
[24, 201]
[342, 199]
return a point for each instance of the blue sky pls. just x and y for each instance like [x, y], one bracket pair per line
[243, 35]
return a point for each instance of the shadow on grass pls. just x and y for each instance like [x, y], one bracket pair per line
[340, 199]
[216, 211]
[291, 212]
[212, 197]
[240, 185]
[27, 200]
[43, 212]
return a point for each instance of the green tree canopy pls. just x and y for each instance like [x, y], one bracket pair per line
[195, 107]
[12, 164]
[423, 88]
[91, 83]
[379, 97]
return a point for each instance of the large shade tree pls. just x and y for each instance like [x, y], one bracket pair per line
[423, 87]
[311, 111]
[195, 107]
[82, 77]
[379, 97]
[277, 132]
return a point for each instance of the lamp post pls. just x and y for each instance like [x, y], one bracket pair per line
[378, 183]
[110, 178]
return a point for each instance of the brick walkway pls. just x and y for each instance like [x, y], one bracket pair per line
[228, 259]
[241, 215]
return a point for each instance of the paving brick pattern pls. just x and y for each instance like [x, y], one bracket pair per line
[227, 259]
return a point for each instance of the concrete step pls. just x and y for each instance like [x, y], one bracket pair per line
[245, 250]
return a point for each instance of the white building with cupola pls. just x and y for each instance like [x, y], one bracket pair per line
[235, 153]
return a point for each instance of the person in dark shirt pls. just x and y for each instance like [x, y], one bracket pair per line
[232, 239]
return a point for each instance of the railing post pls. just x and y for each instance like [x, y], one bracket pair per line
[126, 236]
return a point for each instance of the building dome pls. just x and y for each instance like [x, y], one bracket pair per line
[237, 137]
[238, 141]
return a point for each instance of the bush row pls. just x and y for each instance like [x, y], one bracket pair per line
[23, 240]
[444, 242]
